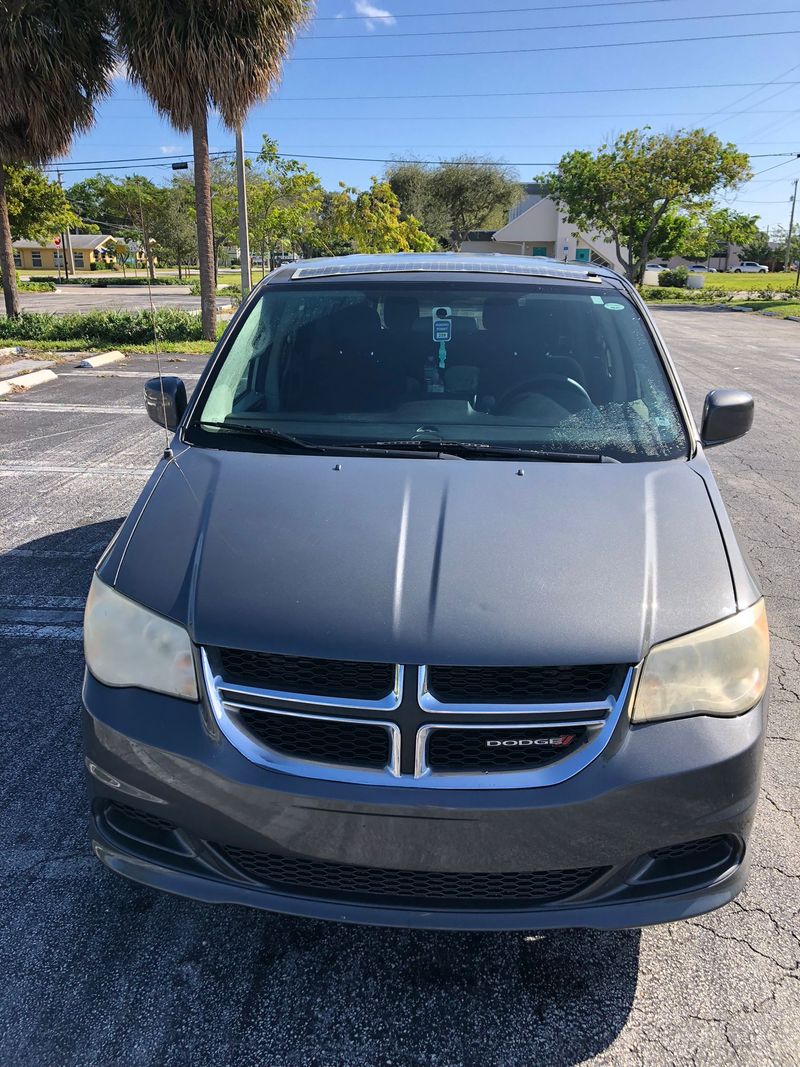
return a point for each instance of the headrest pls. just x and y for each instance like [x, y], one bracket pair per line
[400, 312]
[498, 312]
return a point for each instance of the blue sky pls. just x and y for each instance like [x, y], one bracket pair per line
[334, 100]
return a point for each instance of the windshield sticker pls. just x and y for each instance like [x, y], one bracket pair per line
[597, 299]
[615, 307]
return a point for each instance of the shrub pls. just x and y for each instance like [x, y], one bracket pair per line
[652, 294]
[110, 281]
[36, 287]
[105, 327]
[674, 279]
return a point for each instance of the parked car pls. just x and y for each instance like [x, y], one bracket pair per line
[749, 268]
[656, 266]
[701, 268]
[431, 615]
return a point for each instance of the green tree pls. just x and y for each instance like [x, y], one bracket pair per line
[140, 204]
[285, 199]
[370, 221]
[625, 190]
[456, 197]
[37, 207]
[757, 248]
[174, 228]
[198, 54]
[706, 232]
[411, 183]
[55, 64]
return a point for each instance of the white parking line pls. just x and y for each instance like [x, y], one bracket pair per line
[88, 409]
[9, 471]
[74, 603]
[32, 632]
[125, 374]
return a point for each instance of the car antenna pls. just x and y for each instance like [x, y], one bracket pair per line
[168, 453]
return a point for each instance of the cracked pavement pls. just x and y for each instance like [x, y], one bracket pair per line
[100, 972]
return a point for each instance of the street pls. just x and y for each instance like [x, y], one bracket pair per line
[75, 298]
[99, 971]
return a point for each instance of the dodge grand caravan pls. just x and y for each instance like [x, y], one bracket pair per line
[431, 614]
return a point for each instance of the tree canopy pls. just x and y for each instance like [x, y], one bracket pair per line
[284, 198]
[369, 221]
[38, 208]
[456, 197]
[625, 191]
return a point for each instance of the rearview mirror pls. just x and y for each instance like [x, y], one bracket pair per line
[727, 414]
[167, 407]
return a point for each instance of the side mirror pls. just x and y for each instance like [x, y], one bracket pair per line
[727, 414]
[165, 408]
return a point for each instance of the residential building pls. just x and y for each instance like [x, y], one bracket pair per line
[87, 248]
[536, 227]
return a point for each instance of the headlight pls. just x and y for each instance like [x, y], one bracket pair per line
[719, 670]
[125, 644]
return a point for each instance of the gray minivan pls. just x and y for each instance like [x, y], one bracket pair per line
[431, 614]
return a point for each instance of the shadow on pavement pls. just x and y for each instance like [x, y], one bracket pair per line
[103, 971]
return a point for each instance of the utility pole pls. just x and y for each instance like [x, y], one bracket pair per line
[787, 257]
[244, 235]
[66, 244]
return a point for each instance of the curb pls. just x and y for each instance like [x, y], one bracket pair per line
[101, 359]
[14, 350]
[26, 381]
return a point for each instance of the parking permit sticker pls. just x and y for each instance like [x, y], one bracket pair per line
[597, 299]
[442, 329]
[615, 307]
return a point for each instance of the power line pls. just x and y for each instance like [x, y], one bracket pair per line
[485, 11]
[111, 164]
[795, 155]
[557, 26]
[550, 116]
[531, 92]
[544, 48]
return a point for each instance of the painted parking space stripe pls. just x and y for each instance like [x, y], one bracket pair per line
[61, 408]
[146, 374]
[59, 603]
[34, 632]
[8, 470]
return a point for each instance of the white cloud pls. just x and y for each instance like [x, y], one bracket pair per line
[171, 149]
[373, 16]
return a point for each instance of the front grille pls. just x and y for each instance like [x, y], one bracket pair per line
[524, 685]
[344, 881]
[500, 749]
[302, 674]
[352, 743]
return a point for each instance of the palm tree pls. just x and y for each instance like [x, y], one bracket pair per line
[56, 60]
[198, 54]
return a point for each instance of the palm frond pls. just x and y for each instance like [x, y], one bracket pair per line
[56, 58]
[198, 54]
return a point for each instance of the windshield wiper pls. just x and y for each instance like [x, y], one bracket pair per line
[477, 448]
[277, 437]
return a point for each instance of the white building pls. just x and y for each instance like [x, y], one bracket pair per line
[536, 227]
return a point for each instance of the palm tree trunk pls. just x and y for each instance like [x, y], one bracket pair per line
[7, 266]
[205, 233]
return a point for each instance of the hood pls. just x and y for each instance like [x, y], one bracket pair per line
[429, 561]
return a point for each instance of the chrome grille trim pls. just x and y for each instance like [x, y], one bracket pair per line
[258, 752]
[388, 703]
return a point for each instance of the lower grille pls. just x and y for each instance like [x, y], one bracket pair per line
[350, 743]
[500, 749]
[691, 857]
[117, 812]
[344, 881]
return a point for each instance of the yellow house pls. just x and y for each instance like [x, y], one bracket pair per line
[87, 248]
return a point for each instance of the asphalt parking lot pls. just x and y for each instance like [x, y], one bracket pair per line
[72, 298]
[101, 972]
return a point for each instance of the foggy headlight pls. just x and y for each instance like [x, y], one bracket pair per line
[125, 644]
[719, 670]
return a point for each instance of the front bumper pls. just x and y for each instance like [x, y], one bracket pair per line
[666, 784]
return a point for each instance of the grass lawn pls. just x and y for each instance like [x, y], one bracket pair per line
[751, 282]
[782, 308]
[40, 349]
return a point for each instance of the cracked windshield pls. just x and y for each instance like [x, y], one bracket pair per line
[563, 369]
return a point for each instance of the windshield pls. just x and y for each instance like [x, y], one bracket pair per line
[550, 367]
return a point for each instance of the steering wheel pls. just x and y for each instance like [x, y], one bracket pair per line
[564, 391]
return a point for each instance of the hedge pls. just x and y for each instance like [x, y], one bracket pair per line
[104, 327]
[97, 283]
